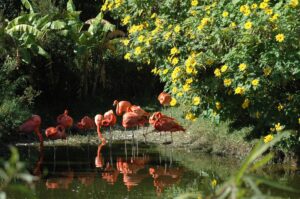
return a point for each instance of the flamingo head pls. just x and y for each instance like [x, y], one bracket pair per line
[115, 103]
[98, 119]
[66, 112]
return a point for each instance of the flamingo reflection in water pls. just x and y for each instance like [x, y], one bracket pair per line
[132, 171]
[165, 177]
[62, 182]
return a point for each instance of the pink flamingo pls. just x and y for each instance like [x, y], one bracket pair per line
[65, 120]
[33, 125]
[110, 120]
[121, 106]
[86, 123]
[164, 98]
[98, 122]
[55, 133]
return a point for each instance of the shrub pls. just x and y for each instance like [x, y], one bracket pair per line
[235, 61]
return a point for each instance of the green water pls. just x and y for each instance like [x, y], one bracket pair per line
[132, 171]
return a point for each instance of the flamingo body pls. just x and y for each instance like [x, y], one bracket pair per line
[109, 118]
[122, 107]
[65, 120]
[132, 119]
[55, 133]
[32, 125]
[138, 110]
[167, 124]
[86, 123]
[98, 122]
[164, 98]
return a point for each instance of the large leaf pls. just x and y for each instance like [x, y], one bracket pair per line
[23, 19]
[24, 28]
[27, 5]
[70, 6]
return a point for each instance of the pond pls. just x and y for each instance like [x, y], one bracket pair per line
[132, 170]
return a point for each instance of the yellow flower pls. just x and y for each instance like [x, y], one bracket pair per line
[174, 51]
[175, 73]
[263, 5]
[299, 120]
[225, 14]
[218, 105]
[268, 138]
[217, 72]
[190, 116]
[232, 25]
[179, 94]
[214, 183]
[189, 81]
[154, 70]
[239, 90]
[173, 102]
[267, 71]
[104, 6]
[242, 66]
[194, 2]
[141, 38]
[224, 68]
[126, 20]
[294, 3]
[196, 101]
[127, 56]
[255, 82]
[248, 25]
[245, 103]
[165, 71]
[245, 10]
[186, 87]
[227, 82]
[274, 17]
[280, 37]
[254, 6]
[125, 42]
[280, 107]
[138, 51]
[110, 6]
[269, 11]
[167, 35]
[175, 61]
[177, 28]
[174, 90]
[278, 127]
[153, 15]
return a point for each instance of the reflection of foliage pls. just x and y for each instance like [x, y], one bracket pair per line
[13, 169]
[244, 184]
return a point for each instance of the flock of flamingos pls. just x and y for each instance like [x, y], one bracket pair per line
[133, 116]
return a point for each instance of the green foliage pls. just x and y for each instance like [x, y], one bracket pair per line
[16, 96]
[241, 59]
[12, 170]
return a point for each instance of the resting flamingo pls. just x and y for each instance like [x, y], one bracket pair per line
[55, 133]
[65, 120]
[165, 124]
[33, 125]
[121, 107]
[164, 98]
[132, 119]
[98, 122]
[86, 123]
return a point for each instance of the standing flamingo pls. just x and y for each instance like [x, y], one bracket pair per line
[132, 119]
[163, 124]
[98, 122]
[109, 119]
[65, 120]
[121, 106]
[33, 125]
[164, 98]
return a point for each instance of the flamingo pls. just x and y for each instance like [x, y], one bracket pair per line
[98, 122]
[33, 125]
[167, 124]
[86, 123]
[132, 119]
[109, 119]
[138, 110]
[164, 98]
[55, 133]
[122, 106]
[65, 120]
[99, 162]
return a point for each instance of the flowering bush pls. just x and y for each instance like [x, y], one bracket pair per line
[236, 60]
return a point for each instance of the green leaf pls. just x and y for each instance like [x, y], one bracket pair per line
[24, 28]
[70, 6]
[27, 5]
